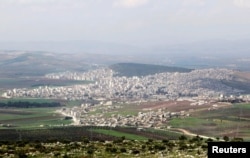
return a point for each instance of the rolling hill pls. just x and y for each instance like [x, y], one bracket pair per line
[36, 63]
[135, 69]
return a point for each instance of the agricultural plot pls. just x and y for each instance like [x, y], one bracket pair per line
[124, 110]
[31, 118]
[232, 120]
[119, 134]
[73, 133]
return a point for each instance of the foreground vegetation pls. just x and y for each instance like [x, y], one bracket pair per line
[184, 147]
[120, 147]
[97, 142]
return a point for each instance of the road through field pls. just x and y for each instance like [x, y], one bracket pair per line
[186, 132]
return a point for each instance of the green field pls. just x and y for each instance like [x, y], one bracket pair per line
[232, 121]
[165, 132]
[31, 118]
[119, 134]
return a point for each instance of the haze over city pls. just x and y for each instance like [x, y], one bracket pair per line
[132, 22]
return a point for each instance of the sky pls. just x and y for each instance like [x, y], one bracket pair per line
[134, 22]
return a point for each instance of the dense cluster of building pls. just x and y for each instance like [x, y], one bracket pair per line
[149, 118]
[199, 83]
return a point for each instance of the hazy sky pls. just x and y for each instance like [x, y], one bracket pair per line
[135, 22]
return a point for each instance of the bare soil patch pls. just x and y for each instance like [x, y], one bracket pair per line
[175, 106]
[243, 75]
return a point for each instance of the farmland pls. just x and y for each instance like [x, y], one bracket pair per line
[119, 134]
[232, 120]
[226, 119]
[41, 132]
[30, 118]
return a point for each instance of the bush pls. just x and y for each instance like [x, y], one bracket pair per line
[183, 146]
[159, 147]
[85, 140]
[209, 140]
[226, 138]
[182, 137]
[123, 150]
[165, 141]
[111, 149]
[135, 152]
[237, 140]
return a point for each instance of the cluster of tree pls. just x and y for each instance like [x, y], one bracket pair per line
[26, 104]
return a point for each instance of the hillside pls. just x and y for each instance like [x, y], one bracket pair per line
[36, 63]
[135, 69]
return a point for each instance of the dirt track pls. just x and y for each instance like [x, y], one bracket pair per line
[186, 132]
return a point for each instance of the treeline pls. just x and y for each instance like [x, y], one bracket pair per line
[74, 133]
[69, 133]
[26, 104]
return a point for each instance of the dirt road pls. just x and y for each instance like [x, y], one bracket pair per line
[186, 132]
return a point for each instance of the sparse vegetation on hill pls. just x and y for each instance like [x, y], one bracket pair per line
[135, 69]
[183, 147]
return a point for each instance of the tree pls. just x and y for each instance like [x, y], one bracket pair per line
[85, 140]
[226, 138]
[123, 150]
[182, 137]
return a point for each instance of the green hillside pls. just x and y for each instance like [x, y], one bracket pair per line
[135, 69]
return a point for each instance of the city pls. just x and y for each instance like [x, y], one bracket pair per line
[204, 83]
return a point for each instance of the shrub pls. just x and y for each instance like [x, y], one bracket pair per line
[123, 150]
[182, 137]
[165, 141]
[135, 152]
[237, 140]
[111, 149]
[226, 138]
[159, 147]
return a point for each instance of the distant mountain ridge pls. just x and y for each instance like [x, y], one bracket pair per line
[29, 63]
[137, 69]
[214, 53]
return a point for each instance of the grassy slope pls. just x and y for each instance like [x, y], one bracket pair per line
[135, 69]
[119, 134]
[232, 121]
[9, 83]
[32, 117]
